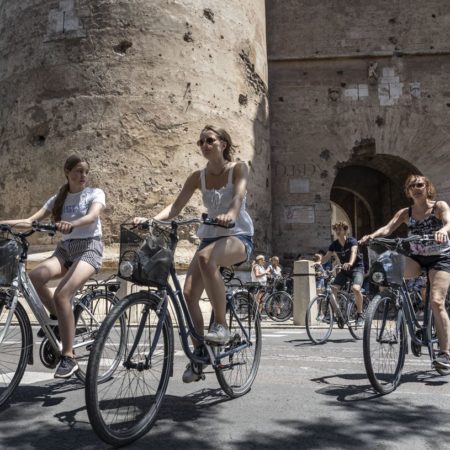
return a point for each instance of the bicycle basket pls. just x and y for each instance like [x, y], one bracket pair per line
[390, 264]
[146, 255]
[9, 260]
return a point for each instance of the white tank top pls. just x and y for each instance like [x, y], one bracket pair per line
[218, 201]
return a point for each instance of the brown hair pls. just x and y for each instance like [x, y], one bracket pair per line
[70, 163]
[342, 224]
[225, 137]
[431, 190]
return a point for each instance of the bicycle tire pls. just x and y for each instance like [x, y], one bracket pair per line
[89, 313]
[355, 330]
[237, 372]
[279, 306]
[124, 407]
[15, 350]
[319, 319]
[384, 344]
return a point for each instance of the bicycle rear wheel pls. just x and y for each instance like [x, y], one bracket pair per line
[15, 349]
[90, 312]
[356, 330]
[384, 344]
[319, 319]
[124, 407]
[279, 306]
[237, 371]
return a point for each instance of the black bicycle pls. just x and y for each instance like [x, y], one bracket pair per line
[125, 406]
[392, 314]
[90, 306]
[323, 312]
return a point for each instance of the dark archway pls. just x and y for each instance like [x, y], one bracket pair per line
[370, 189]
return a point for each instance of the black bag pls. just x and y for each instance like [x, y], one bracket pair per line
[9, 261]
[145, 258]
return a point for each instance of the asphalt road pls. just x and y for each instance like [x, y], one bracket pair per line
[304, 396]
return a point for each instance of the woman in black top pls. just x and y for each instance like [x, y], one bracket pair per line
[427, 217]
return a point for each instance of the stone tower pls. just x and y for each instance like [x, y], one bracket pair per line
[130, 85]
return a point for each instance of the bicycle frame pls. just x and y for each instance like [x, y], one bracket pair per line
[185, 323]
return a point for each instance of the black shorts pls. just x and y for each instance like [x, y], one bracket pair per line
[437, 262]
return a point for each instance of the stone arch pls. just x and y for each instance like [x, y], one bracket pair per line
[369, 188]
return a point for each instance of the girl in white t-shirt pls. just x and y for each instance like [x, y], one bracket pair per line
[75, 210]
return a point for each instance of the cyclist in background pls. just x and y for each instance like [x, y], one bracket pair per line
[75, 210]
[427, 217]
[223, 184]
[346, 249]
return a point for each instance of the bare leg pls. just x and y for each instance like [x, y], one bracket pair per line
[193, 288]
[222, 253]
[356, 288]
[74, 279]
[439, 282]
[47, 270]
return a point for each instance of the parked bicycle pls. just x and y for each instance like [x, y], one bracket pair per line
[125, 406]
[392, 315]
[16, 338]
[323, 311]
[278, 303]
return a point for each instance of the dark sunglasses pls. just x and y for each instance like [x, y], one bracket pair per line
[416, 185]
[209, 141]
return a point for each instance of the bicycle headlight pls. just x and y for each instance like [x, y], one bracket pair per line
[126, 269]
[378, 277]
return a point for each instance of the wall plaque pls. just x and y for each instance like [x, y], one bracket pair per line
[298, 185]
[299, 214]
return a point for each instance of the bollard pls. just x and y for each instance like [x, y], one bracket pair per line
[304, 288]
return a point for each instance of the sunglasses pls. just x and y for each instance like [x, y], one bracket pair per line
[416, 185]
[208, 140]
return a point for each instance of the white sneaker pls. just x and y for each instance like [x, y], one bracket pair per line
[218, 334]
[189, 375]
[193, 371]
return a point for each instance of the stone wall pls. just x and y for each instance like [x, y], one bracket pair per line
[130, 84]
[354, 88]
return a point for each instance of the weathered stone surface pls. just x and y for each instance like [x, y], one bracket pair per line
[359, 99]
[118, 82]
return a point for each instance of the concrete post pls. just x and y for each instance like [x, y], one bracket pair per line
[304, 289]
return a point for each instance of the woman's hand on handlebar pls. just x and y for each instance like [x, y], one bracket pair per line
[364, 239]
[139, 220]
[441, 236]
[225, 220]
[64, 227]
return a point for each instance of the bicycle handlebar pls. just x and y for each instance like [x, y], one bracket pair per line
[49, 228]
[205, 220]
[399, 241]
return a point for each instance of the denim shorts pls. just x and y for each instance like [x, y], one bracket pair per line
[357, 277]
[245, 239]
[72, 250]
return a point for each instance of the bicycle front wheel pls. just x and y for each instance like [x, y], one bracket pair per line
[237, 371]
[124, 407]
[15, 349]
[279, 306]
[319, 319]
[89, 314]
[384, 344]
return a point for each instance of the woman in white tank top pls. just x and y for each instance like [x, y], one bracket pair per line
[223, 184]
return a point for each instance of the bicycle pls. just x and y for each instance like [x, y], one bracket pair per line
[392, 314]
[323, 311]
[16, 338]
[125, 407]
[278, 303]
